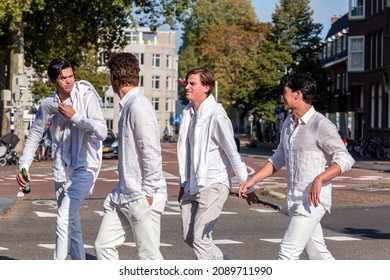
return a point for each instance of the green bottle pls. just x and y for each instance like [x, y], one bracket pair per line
[27, 189]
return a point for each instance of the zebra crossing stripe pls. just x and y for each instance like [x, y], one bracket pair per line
[265, 210]
[3, 249]
[342, 238]
[52, 246]
[226, 241]
[45, 214]
[275, 240]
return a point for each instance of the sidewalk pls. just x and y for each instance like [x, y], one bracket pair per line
[341, 197]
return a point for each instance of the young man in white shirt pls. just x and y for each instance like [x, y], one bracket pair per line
[313, 153]
[138, 200]
[206, 151]
[77, 127]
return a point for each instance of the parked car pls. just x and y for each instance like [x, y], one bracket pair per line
[110, 145]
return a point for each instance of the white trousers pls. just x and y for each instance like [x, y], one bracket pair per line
[199, 213]
[70, 196]
[143, 219]
[304, 232]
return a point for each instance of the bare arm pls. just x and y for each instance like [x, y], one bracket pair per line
[267, 170]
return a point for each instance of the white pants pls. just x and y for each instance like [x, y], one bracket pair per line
[304, 232]
[70, 195]
[199, 213]
[140, 217]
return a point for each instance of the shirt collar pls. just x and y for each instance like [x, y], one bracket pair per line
[130, 95]
[307, 116]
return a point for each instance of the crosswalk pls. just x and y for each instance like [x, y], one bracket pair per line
[172, 209]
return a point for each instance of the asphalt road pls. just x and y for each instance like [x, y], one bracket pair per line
[357, 231]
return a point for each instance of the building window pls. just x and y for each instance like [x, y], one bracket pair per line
[109, 102]
[155, 82]
[167, 104]
[140, 58]
[388, 111]
[168, 83]
[109, 124]
[156, 103]
[356, 53]
[356, 8]
[132, 36]
[338, 82]
[148, 38]
[141, 81]
[373, 106]
[329, 50]
[379, 106]
[169, 61]
[361, 103]
[156, 60]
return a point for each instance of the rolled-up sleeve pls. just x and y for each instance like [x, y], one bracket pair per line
[332, 144]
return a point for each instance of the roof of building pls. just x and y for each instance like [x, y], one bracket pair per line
[338, 26]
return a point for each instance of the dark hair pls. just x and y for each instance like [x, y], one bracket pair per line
[124, 69]
[56, 66]
[206, 77]
[304, 83]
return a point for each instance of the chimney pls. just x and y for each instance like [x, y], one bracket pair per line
[334, 19]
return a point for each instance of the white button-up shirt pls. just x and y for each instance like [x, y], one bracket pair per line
[139, 150]
[206, 148]
[77, 141]
[306, 150]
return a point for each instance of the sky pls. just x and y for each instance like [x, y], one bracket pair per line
[323, 11]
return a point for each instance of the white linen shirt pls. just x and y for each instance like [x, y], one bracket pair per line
[77, 141]
[206, 148]
[139, 150]
[307, 150]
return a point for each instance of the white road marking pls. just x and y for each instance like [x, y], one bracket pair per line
[169, 176]
[275, 240]
[45, 214]
[168, 213]
[226, 241]
[100, 213]
[342, 238]
[363, 178]
[265, 210]
[52, 246]
[3, 249]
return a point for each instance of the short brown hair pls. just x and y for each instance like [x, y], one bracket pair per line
[206, 77]
[124, 69]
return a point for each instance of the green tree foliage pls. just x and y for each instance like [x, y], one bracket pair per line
[297, 34]
[10, 13]
[68, 28]
[227, 37]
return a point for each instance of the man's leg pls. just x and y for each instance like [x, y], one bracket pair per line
[316, 248]
[210, 205]
[188, 208]
[112, 232]
[303, 222]
[69, 199]
[145, 221]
